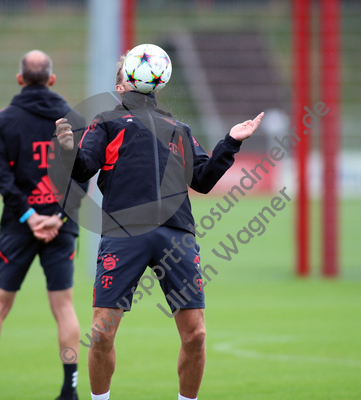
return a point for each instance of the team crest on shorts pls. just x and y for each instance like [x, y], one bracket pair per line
[109, 261]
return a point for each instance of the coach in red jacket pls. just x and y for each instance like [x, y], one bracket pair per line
[33, 222]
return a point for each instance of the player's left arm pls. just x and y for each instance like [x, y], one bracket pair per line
[208, 170]
[246, 129]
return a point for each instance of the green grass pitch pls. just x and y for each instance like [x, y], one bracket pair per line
[270, 335]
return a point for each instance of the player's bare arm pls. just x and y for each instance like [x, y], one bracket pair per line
[64, 134]
[246, 129]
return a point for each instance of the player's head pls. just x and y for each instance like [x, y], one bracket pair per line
[121, 84]
[36, 68]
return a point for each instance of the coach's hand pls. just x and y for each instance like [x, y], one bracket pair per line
[246, 129]
[64, 134]
[34, 221]
[48, 229]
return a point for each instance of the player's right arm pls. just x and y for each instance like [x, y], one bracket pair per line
[65, 134]
[85, 160]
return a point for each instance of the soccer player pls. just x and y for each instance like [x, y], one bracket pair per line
[33, 223]
[147, 161]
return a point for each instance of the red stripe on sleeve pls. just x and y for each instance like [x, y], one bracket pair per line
[81, 142]
[112, 152]
[181, 150]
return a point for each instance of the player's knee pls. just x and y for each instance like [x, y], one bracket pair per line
[5, 305]
[195, 340]
[103, 341]
[62, 310]
[4, 310]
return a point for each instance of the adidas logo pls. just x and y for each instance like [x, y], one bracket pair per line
[45, 193]
[197, 259]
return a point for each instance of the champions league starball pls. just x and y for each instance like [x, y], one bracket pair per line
[147, 68]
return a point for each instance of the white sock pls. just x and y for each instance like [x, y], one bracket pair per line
[180, 397]
[104, 396]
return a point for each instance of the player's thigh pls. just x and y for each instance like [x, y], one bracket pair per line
[120, 265]
[17, 252]
[179, 273]
[56, 258]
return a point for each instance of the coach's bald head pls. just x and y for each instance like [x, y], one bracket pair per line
[36, 68]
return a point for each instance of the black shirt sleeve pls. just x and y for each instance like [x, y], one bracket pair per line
[208, 170]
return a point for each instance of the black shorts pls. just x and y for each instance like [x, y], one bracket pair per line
[17, 252]
[173, 258]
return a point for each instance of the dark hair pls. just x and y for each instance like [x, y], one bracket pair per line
[36, 73]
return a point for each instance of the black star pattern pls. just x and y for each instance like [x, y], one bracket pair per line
[131, 79]
[157, 80]
[144, 58]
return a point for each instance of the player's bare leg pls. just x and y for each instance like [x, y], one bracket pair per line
[6, 302]
[192, 356]
[61, 304]
[101, 361]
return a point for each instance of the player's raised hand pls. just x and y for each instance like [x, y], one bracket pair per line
[246, 129]
[64, 134]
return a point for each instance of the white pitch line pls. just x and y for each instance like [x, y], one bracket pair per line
[230, 349]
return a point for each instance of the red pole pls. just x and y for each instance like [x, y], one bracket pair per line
[129, 24]
[301, 98]
[330, 13]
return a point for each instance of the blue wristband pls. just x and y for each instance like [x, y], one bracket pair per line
[28, 214]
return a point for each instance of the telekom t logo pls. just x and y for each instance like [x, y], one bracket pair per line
[40, 152]
[107, 281]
